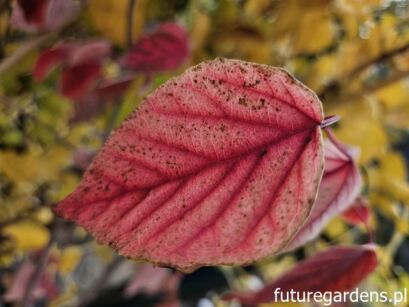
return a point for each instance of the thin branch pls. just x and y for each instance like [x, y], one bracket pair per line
[369, 89]
[18, 217]
[130, 22]
[362, 67]
[40, 266]
[23, 51]
[379, 59]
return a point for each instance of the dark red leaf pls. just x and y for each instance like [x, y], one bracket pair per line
[48, 60]
[106, 92]
[88, 52]
[81, 63]
[357, 213]
[33, 10]
[164, 49]
[339, 268]
[109, 89]
[43, 15]
[220, 165]
[340, 185]
[76, 81]
[60, 13]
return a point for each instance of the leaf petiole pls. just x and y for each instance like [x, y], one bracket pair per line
[329, 120]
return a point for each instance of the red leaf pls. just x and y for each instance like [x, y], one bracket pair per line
[109, 89]
[357, 213]
[60, 13]
[340, 185]
[339, 268]
[48, 60]
[89, 52]
[33, 10]
[76, 81]
[164, 49]
[81, 66]
[43, 15]
[219, 166]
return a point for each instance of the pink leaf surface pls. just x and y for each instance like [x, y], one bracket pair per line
[164, 49]
[220, 165]
[358, 212]
[340, 268]
[340, 185]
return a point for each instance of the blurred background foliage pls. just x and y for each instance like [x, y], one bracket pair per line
[354, 54]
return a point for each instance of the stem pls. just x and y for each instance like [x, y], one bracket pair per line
[23, 51]
[18, 217]
[381, 58]
[329, 120]
[336, 143]
[40, 266]
[360, 68]
[129, 23]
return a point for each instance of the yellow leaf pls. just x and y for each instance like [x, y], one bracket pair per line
[393, 95]
[103, 252]
[27, 235]
[393, 165]
[389, 176]
[385, 205]
[398, 117]
[255, 8]
[109, 18]
[337, 229]
[34, 166]
[240, 44]
[43, 215]
[360, 126]
[317, 22]
[295, 22]
[315, 74]
[200, 29]
[69, 259]
[357, 7]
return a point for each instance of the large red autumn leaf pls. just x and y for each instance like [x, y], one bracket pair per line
[339, 268]
[164, 49]
[220, 165]
[340, 185]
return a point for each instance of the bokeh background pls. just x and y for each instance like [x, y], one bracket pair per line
[354, 54]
